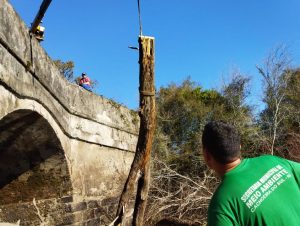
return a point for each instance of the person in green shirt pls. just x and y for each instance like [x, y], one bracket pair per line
[256, 191]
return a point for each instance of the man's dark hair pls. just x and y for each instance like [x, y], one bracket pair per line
[222, 141]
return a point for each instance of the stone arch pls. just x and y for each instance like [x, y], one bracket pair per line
[32, 160]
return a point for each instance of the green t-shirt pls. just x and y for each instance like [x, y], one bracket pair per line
[259, 191]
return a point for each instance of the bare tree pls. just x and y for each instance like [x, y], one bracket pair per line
[276, 74]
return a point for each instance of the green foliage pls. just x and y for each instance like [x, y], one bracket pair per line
[66, 69]
[292, 102]
[182, 112]
[288, 144]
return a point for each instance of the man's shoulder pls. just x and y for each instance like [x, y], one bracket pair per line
[225, 187]
[267, 161]
[267, 158]
[224, 202]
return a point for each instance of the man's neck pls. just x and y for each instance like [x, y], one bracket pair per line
[221, 170]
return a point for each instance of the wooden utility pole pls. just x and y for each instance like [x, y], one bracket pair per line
[139, 174]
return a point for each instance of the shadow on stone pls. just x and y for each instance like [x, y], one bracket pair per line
[32, 161]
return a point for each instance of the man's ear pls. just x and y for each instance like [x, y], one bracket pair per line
[207, 157]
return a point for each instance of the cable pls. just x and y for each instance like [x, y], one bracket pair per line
[140, 21]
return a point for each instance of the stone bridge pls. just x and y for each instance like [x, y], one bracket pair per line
[64, 152]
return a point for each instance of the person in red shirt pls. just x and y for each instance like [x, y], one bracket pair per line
[85, 82]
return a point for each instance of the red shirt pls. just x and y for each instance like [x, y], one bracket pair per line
[85, 80]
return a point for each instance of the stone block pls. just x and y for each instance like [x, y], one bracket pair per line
[106, 220]
[101, 211]
[79, 206]
[92, 204]
[93, 222]
[66, 220]
[110, 201]
[88, 214]
[15, 212]
[79, 224]
[30, 223]
[66, 199]
[68, 208]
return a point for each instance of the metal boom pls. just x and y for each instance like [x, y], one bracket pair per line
[38, 18]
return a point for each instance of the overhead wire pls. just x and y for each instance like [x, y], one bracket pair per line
[140, 20]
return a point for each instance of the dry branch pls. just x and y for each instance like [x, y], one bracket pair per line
[176, 196]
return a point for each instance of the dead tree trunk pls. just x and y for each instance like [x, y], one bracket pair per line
[140, 169]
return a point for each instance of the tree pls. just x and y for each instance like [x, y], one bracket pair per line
[293, 100]
[184, 109]
[276, 75]
[181, 183]
[182, 113]
[235, 94]
[290, 138]
[66, 69]
[239, 113]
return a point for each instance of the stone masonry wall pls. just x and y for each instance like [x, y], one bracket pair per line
[63, 211]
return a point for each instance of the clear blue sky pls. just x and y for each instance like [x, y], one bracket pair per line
[203, 39]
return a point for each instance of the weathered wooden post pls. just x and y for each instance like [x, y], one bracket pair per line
[147, 125]
[140, 169]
